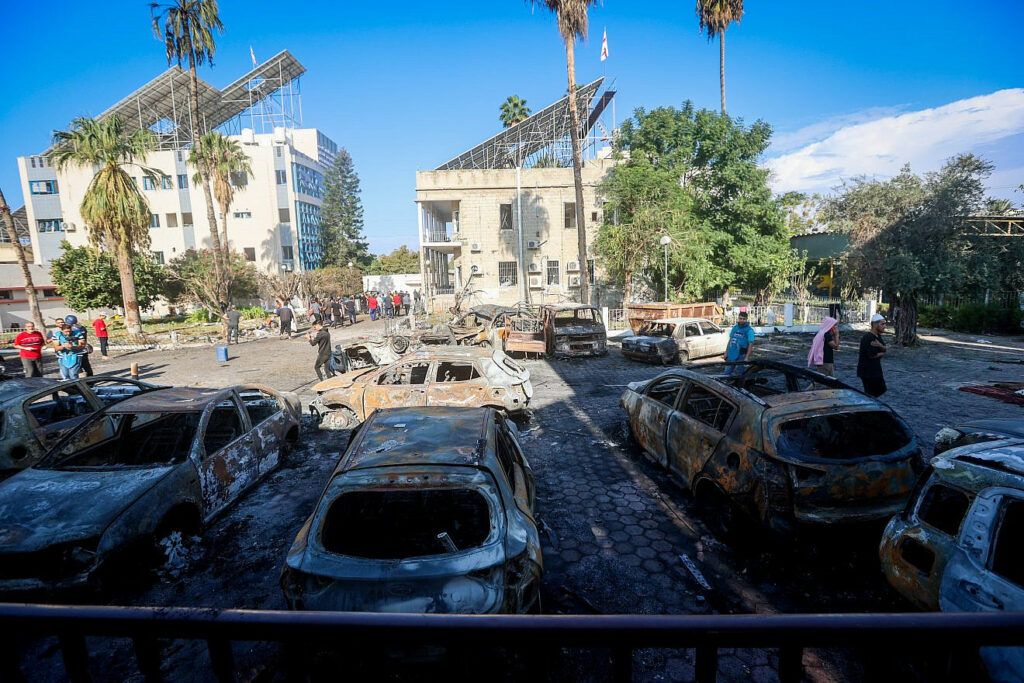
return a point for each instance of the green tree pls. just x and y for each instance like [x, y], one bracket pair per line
[186, 28]
[116, 216]
[401, 260]
[88, 278]
[19, 251]
[571, 16]
[192, 280]
[714, 17]
[227, 165]
[341, 216]
[513, 111]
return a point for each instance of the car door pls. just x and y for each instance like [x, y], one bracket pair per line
[695, 430]
[269, 419]
[110, 390]
[228, 464]
[694, 344]
[715, 338]
[53, 413]
[456, 383]
[649, 422]
[397, 385]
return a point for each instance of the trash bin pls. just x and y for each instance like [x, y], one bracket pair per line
[222, 354]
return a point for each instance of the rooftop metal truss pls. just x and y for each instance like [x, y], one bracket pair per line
[162, 105]
[541, 139]
[995, 226]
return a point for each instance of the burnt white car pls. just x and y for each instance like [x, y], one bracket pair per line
[675, 340]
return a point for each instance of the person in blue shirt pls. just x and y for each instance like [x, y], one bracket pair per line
[67, 347]
[79, 332]
[741, 342]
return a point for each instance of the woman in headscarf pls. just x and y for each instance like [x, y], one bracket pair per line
[820, 358]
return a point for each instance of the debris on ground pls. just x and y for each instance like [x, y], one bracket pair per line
[1010, 392]
[695, 572]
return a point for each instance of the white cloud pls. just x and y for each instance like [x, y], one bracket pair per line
[880, 147]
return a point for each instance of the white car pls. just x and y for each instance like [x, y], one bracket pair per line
[676, 340]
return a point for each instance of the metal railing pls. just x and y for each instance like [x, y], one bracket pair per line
[929, 633]
[617, 319]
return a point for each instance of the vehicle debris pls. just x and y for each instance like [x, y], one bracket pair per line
[675, 340]
[695, 572]
[574, 330]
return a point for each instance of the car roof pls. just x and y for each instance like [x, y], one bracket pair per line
[448, 353]
[983, 465]
[827, 397]
[14, 388]
[171, 399]
[420, 436]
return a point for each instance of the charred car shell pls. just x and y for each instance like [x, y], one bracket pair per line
[168, 460]
[675, 339]
[978, 431]
[574, 330]
[781, 444]
[430, 510]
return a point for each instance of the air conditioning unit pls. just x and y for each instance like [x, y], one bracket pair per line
[475, 246]
[475, 270]
[533, 244]
[536, 282]
[574, 280]
[534, 267]
[573, 267]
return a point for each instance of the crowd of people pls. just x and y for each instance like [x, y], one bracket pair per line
[70, 342]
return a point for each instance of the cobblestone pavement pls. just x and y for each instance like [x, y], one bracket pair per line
[616, 524]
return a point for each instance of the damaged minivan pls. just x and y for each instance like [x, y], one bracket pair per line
[777, 443]
[574, 330]
[430, 510]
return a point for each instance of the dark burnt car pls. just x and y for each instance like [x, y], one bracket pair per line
[36, 412]
[134, 473]
[978, 431]
[430, 510]
[574, 330]
[781, 444]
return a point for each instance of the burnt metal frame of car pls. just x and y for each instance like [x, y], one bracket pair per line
[131, 474]
[588, 338]
[977, 431]
[670, 348]
[726, 446]
[428, 510]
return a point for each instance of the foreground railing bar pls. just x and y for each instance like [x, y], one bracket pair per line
[705, 664]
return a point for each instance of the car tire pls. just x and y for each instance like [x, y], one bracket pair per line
[721, 516]
[682, 357]
[342, 418]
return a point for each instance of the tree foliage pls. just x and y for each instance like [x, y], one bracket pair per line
[341, 215]
[225, 161]
[88, 278]
[192, 280]
[513, 111]
[401, 260]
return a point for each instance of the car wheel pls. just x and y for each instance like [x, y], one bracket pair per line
[721, 516]
[399, 344]
[339, 418]
[683, 357]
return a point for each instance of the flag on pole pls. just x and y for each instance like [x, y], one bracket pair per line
[253, 55]
[604, 46]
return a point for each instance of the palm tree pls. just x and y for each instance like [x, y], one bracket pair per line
[715, 16]
[187, 28]
[226, 162]
[115, 213]
[513, 111]
[572, 24]
[19, 251]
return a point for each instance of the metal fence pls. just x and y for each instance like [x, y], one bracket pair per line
[617, 319]
[930, 634]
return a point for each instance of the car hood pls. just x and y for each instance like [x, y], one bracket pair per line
[341, 381]
[639, 339]
[1003, 425]
[39, 508]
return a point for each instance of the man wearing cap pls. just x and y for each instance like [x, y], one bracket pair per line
[100, 326]
[869, 362]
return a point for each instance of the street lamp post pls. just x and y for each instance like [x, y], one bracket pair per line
[665, 242]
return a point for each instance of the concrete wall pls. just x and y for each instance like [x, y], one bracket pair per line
[402, 282]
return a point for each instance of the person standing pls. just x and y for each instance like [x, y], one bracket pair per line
[66, 345]
[397, 303]
[30, 349]
[826, 341]
[338, 306]
[285, 317]
[371, 302]
[405, 302]
[99, 325]
[869, 362]
[322, 341]
[81, 334]
[350, 308]
[389, 306]
[234, 321]
[741, 343]
[416, 300]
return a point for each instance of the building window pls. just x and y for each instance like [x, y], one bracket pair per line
[590, 271]
[287, 254]
[283, 215]
[43, 186]
[307, 181]
[506, 216]
[282, 177]
[33, 160]
[50, 225]
[570, 214]
[166, 183]
[158, 257]
[182, 181]
[242, 214]
[508, 273]
[239, 179]
[50, 294]
[553, 272]
[147, 183]
[277, 151]
[172, 220]
[593, 216]
[6, 295]
[179, 159]
[186, 219]
[154, 220]
[250, 253]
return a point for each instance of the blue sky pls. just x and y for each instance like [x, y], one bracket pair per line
[849, 88]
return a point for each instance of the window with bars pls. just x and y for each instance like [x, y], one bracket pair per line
[43, 187]
[242, 214]
[154, 220]
[250, 253]
[590, 271]
[553, 274]
[147, 183]
[166, 183]
[506, 216]
[282, 177]
[287, 254]
[570, 214]
[182, 181]
[158, 257]
[508, 273]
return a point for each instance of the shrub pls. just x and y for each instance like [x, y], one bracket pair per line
[199, 316]
[935, 316]
[252, 313]
[986, 318]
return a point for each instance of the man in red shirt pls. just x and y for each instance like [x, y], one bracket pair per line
[100, 325]
[371, 302]
[30, 349]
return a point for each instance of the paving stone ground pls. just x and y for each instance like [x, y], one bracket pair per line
[616, 524]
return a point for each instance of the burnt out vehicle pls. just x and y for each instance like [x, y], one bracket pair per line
[133, 473]
[476, 327]
[430, 510]
[436, 376]
[957, 545]
[674, 340]
[978, 431]
[368, 353]
[574, 330]
[36, 412]
[777, 443]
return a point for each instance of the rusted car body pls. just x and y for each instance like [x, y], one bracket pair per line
[674, 340]
[435, 376]
[638, 314]
[781, 444]
[523, 331]
[430, 510]
[957, 547]
[136, 471]
[574, 330]
[368, 353]
[36, 412]
[978, 431]
[479, 325]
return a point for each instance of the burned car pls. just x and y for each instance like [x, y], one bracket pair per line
[133, 473]
[778, 443]
[368, 353]
[956, 547]
[36, 412]
[675, 340]
[574, 330]
[438, 376]
[476, 327]
[430, 510]
[978, 431]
